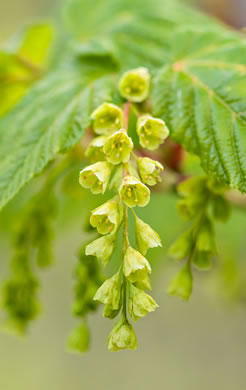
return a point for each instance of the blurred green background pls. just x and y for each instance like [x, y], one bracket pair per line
[182, 346]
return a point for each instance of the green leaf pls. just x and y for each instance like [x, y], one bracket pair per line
[201, 95]
[22, 62]
[49, 120]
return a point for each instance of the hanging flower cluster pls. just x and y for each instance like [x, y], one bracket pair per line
[116, 166]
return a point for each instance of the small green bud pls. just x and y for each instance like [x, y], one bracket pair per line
[122, 336]
[151, 131]
[149, 170]
[96, 177]
[107, 118]
[221, 208]
[95, 151]
[146, 237]
[194, 186]
[206, 237]
[140, 303]
[110, 313]
[182, 247]
[110, 291]
[118, 147]
[181, 285]
[143, 284]
[102, 248]
[79, 339]
[107, 217]
[135, 266]
[202, 259]
[133, 192]
[134, 85]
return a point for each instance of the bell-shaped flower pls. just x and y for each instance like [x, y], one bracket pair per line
[133, 192]
[181, 285]
[102, 248]
[134, 85]
[107, 118]
[146, 237]
[140, 303]
[96, 177]
[95, 151]
[122, 336]
[107, 217]
[151, 131]
[135, 266]
[110, 291]
[149, 170]
[118, 147]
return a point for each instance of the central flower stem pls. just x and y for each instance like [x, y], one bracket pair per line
[125, 245]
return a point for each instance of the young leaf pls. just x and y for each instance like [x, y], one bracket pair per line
[50, 119]
[201, 96]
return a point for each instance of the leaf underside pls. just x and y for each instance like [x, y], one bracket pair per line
[199, 87]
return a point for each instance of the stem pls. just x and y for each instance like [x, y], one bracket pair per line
[126, 112]
[125, 245]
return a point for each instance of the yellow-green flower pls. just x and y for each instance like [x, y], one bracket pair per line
[151, 131]
[133, 192]
[134, 85]
[107, 217]
[107, 118]
[181, 285]
[135, 266]
[122, 336]
[96, 177]
[110, 291]
[140, 303]
[95, 149]
[146, 237]
[118, 147]
[102, 248]
[149, 170]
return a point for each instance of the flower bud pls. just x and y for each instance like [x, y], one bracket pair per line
[122, 336]
[107, 118]
[135, 266]
[140, 303]
[95, 151]
[110, 313]
[102, 248]
[134, 85]
[181, 285]
[182, 247]
[118, 147]
[149, 170]
[95, 177]
[107, 217]
[133, 192]
[146, 237]
[79, 339]
[151, 131]
[110, 291]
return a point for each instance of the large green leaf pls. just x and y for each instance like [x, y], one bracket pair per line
[201, 93]
[50, 119]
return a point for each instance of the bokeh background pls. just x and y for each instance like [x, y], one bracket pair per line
[182, 346]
